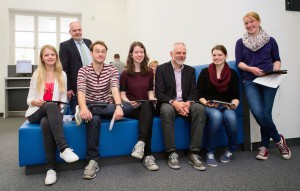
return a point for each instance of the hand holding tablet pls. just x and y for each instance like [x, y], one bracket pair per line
[220, 102]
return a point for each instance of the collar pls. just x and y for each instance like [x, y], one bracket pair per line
[181, 67]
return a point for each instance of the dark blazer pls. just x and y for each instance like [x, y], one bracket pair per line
[165, 85]
[71, 61]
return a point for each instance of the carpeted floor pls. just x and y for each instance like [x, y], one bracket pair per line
[243, 173]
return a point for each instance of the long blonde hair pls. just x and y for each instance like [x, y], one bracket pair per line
[41, 71]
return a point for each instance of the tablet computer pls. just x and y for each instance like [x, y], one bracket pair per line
[58, 102]
[221, 102]
[276, 72]
[144, 100]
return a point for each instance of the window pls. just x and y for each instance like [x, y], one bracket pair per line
[31, 30]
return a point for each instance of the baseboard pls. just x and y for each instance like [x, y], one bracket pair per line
[290, 142]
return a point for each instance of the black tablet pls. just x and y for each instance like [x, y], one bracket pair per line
[221, 102]
[276, 72]
[58, 102]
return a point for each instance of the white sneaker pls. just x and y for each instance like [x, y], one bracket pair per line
[78, 118]
[149, 163]
[50, 177]
[138, 150]
[69, 156]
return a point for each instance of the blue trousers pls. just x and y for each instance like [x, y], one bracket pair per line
[260, 99]
[216, 118]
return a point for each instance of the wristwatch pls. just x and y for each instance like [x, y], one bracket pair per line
[119, 105]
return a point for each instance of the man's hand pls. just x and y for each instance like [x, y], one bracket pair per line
[118, 113]
[70, 93]
[181, 107]
[85, 114]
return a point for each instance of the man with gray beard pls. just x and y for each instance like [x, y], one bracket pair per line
[176, 92]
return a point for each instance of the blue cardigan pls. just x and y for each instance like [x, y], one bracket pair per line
[262, 58]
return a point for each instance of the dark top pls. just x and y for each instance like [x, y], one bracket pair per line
[71, 61]
[136, 87]
[208, 91]
[165, 85]
[262, 58]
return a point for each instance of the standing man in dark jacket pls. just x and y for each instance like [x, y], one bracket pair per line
[176, 92]
[74, 54]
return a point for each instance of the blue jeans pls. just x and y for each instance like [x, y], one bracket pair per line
[216, 117]
[260, 99]
[93, 128]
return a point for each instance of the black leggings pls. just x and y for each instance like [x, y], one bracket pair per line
[52, 126]
[144, 114]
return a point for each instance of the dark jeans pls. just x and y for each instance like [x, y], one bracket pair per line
[260, 99]
[144, 114]
[52, 126]
[197, 117]
[93, 128]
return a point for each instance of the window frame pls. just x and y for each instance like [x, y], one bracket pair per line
[36, 15]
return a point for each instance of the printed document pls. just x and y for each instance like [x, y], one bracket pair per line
[272, 80]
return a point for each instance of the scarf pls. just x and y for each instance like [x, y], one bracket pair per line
[220, 84]
[255, 43]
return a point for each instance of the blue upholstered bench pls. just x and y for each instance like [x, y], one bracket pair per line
[118, 142]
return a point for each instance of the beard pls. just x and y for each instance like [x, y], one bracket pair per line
[179, 62]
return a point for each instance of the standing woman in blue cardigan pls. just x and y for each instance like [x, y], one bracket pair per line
[257, 53]
[49, 83]
[219, 82]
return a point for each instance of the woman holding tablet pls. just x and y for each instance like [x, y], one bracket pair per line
[136, 87]
[49, 83]
[256, 54]
[218, 87]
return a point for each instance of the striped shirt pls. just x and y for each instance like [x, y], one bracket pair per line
[97, 87]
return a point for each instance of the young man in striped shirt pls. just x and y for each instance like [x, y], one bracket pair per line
[95, 83]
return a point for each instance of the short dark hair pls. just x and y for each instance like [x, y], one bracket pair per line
[117, 56]
[97, 42]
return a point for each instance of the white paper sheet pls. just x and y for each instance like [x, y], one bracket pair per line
[272, 81]
[112, 122]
